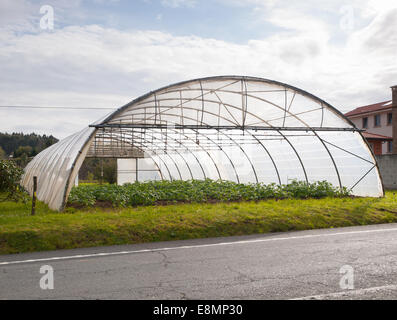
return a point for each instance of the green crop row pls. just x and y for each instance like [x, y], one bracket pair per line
[153, 192]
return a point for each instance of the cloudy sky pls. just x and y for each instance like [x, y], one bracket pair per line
[102, 54]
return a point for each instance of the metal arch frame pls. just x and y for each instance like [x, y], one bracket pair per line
[302, 92]
[371, 152]
[267, 122]
[197, 132]
[41, 161]
[215, 165]
[277, 83]
[186, 148]
[242, 79]
[209, 155]
[308, 128]
[162, 160]
[228, 120]
[69, 145]
[235, 127]
[202, 113]
[238, 145]
[206, 151]
[158, 167]
[271, 158]
[38, 164]
[187, 165]
[202, 102]
[57, 156]
[244, 104]
[231, 77]
[151, 149]
[281, 134]
[220, 148]
[66, 190]
[35, 164]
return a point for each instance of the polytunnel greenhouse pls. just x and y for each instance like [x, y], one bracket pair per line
[242, 129]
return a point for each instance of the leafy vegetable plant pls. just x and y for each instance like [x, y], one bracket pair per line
[160, 192]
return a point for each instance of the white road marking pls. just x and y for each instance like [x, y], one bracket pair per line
[104, 254]
[348, 293]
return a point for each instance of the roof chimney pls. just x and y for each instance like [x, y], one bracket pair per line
[394, 119]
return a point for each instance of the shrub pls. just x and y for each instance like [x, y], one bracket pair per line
[10, 175]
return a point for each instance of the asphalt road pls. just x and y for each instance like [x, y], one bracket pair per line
[293, 265]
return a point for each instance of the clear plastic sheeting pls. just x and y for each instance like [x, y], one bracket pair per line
[234, 128]
[56, 168]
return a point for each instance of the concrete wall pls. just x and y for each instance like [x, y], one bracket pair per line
[388, 169]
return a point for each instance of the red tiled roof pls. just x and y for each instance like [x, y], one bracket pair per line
[368, 135]
[370, 108]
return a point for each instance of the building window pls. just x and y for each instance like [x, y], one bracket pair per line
[389, 146]
[377, 120]
[365, 122]
[389, 118]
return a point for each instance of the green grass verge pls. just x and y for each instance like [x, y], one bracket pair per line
[74, 228]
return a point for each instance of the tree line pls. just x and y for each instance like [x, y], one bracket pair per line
[23, 147]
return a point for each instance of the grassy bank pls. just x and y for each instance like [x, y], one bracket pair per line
[48, 230]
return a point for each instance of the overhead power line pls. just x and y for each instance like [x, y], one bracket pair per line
[61, 108]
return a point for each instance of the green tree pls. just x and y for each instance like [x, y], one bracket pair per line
[10, 176]
[109, 168]
[92, 169]
[22, 155]
[110, 172]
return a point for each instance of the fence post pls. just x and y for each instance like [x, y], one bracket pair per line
[34, 195]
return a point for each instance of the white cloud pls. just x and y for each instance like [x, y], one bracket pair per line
[20, 14]
[178, 3]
